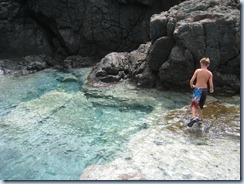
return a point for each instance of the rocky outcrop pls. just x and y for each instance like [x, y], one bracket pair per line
[75, 27]
[115, 67]
[181, 36]
[79, 62]
[25, 66]
[200, 29]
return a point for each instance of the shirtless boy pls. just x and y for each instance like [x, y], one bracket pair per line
[203, 77]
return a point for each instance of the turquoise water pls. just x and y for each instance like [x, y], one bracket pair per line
[53, 127]
[53, 130]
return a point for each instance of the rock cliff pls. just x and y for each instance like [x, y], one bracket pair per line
[184, 34]
[75, 27]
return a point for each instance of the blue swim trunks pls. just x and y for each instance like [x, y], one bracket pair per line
[199, 97]
[196, 96]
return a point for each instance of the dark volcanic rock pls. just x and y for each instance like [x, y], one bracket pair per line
[141, 74]
[183, 35]
[111, 68]
[20, 34]
[175, 72]
[119, 66]
[79, 62]
[26, 65]
[76, 32]
[206, 28]
[160, 52]
[75, 27]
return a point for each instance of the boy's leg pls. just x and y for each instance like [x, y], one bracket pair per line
[201, 103]
[193, 111]
[199, 113]
[193, 119]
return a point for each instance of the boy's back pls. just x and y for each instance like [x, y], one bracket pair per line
[202, 75]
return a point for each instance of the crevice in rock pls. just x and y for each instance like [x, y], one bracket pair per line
[51, 32]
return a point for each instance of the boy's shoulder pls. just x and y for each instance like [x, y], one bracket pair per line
[209, 72]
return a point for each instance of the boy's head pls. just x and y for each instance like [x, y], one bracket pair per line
[205, 62]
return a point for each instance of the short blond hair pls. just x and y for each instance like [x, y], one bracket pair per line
[205, 61]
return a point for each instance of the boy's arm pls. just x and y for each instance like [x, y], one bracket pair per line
[211, 83]
[193, 79]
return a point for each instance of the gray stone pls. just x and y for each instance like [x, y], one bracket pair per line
[160, 52]
[67, 78]
[75, 27]
[79, 61]
[122, 66]
[200, 29]
[110, 69]
[177, 70]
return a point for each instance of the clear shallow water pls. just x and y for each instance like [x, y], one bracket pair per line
[52, 130]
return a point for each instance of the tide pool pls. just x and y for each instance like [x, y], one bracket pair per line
[54, 127]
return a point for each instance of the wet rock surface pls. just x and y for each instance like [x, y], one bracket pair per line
[221, 120]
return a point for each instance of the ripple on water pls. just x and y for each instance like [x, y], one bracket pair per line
[52, 130]
[220, 120]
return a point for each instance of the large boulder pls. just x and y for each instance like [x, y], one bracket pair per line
[160, 52]
[116, 67]
[140, 71]
[206, 28]
[112, 68]
[175, 72]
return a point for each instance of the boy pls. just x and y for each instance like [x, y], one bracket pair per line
[203, 77]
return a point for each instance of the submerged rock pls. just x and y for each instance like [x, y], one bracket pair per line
[67, 78]
[128, 133]
[219, 120]
[169, 151]
[100, 172]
